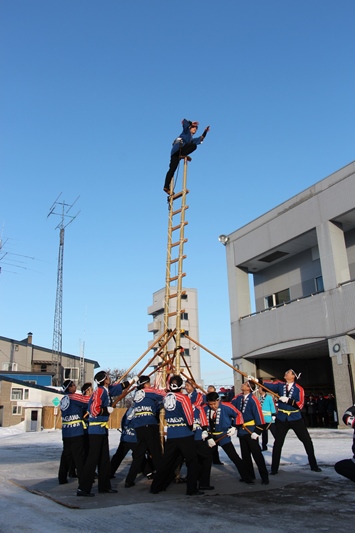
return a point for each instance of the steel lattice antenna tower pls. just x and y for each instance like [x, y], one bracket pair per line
[57, 329]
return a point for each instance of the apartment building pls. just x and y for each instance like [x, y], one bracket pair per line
[22, 357]
[189, 323]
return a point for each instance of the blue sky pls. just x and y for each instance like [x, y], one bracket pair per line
[92, 95]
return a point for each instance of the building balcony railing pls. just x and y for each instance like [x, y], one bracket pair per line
[156, 308]
[292, 301]
[280, 305]
[308, 319]
[154, 326]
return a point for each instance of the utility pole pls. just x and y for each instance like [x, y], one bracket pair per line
[57, 329]
[82, 359]
[82, 364]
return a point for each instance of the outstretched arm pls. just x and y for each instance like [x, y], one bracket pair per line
[205, 132]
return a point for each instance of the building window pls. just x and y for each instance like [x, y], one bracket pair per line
[184, 316]
[17, 410]
[43, 368]
[186, 351]
[16, 394]
[278, 298]
[26, 394]
[184, 296]
[186, 331]
[319, 284]
[71, 373]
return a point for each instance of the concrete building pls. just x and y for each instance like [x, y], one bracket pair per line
[189, 322]
[22, 358]
[300, 259]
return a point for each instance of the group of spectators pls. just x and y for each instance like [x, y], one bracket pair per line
[320, 411]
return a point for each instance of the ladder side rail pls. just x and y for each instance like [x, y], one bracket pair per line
[180, 265]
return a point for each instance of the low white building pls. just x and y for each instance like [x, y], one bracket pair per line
[21, 401]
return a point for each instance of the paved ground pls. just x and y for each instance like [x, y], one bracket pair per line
[296, 498]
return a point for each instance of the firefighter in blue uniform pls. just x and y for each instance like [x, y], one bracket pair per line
[290, 403]
[183, 145]
[128, 441]
[179, 418]
[223, 419]
[73, 407]
[250, 430]
[195, 396]
[147, 404]
[100, 409]
[346, 467]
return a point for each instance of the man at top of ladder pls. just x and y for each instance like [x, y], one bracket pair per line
[183, 145]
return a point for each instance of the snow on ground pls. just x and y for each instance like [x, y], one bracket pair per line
[35, 455]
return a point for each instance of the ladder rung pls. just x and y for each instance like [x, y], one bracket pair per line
[179, 226]
[177, 277]
[175, 294]
[174, 313]
[177, 259]
[179, 194]
[179, 210]
[177, 243]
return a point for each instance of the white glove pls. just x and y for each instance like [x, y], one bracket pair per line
[283, 399]
[273, 418]
[134, 380]
[350, 421]
[211, 443]
[254, 435]
[110, 409]
[231, 431]
[204, 435]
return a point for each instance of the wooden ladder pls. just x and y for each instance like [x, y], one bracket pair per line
[174, 261]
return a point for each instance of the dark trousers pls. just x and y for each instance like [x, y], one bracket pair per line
[187, 149]
[86, 444]
[265, 435]
[299, 427]
[72, 456]
[148, 440]
[174, 448]
[237, 461]
[121, 452]
[204, 457]
[99, 455]
[249, 448]
[346, 468]
[215, 456]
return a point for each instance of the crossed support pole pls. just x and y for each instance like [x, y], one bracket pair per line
[173, 364]
[231, 366]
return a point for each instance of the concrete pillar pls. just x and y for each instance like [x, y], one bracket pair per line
[332, 253]
[342, 353]
[239, 293]
[248, 367]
